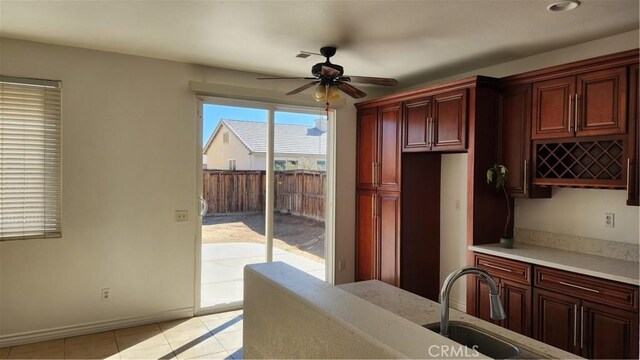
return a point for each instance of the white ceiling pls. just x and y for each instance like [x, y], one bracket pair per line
[408, 40]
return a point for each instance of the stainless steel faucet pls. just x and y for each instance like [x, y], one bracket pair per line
[497, 312]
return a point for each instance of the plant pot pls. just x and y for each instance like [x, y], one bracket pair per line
[506, 243]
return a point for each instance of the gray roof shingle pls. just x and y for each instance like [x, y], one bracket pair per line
[289, 138]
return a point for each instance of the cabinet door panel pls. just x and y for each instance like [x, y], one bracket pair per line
[517, 305]
[602, 102]
[367, 148]
[633, 187]
[450, 121]
[389, 165]
[416, 132]
[366, 230]
[552, 110]
[389, 218]
[609, 333]
[555, 320]
[483, 311]
[515, 119]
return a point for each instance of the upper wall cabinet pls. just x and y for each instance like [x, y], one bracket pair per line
[588, 104]
[515, 143]
[378, 150]
[436, 123]
[633, 160]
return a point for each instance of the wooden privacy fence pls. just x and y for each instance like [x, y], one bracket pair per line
[297, 192]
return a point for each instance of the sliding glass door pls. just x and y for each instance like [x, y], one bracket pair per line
[263, 186]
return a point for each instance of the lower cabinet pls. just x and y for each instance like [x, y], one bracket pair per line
[377, 234]
[514, 281]
[590, 317]
[591, 330]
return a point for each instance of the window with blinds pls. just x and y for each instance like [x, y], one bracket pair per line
[30, 158]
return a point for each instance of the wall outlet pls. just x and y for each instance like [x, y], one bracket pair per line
[609, 220]
[182, 215]
[457, 205]
[340, 265]
[106, 294]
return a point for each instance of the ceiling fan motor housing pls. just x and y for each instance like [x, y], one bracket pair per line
[316, 70]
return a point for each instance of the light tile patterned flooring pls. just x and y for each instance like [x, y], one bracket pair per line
[215, 336]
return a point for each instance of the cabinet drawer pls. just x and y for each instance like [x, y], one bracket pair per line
[505, 269]
[602, 291]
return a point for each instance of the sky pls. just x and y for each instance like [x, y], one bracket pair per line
[213, 113]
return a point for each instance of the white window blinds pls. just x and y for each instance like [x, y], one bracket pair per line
[30, 158]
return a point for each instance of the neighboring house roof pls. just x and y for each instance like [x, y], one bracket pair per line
[289, 139]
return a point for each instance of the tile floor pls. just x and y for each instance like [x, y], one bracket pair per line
[215, 336]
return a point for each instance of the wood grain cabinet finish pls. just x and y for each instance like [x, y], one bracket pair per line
[633, 160]
[449, 121]
[604, 324]
[556, 320]
[378, 235]
[514, 280]
[436, 123]
[378, 148]
[591, 317]
[589, 104]
[416, 122]
[366, 235]
[515, 141]
[378, 196]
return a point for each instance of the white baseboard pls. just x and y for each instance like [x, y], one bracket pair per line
[89, 328]
[458, 305]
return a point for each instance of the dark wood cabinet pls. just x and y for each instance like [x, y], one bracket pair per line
[553, 108]
[601, 98]
[633, 160]
[378, 196]
[388, 208]
[591, 317]
[416, 121]
[378, 148]
[589, 104]
[436, 123]
[378, 234]
[608, 333]
[514, 281]
[449, 121]
[515, 141]
[366, 235]
[556, 320]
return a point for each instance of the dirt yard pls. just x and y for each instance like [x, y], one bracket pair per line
[299, 235]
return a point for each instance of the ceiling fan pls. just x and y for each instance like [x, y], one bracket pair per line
[330, 77]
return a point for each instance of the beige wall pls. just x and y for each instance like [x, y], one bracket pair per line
[219, 153]
[118, 209]
[453, 223]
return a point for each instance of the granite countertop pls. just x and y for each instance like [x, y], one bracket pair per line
[424, 311]
[597, 266]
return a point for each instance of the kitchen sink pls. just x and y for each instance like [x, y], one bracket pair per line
[484, 341]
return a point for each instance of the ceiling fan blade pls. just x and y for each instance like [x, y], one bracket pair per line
[329, 72]
[286, 78]
[302, 88]
[351, 90]
[370, 80]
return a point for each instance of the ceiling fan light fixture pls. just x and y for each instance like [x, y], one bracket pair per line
[564, 5]
[323, 94]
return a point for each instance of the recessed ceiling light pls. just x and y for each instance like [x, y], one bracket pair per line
[565, 5]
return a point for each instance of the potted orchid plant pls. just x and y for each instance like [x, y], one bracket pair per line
[498, 174]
